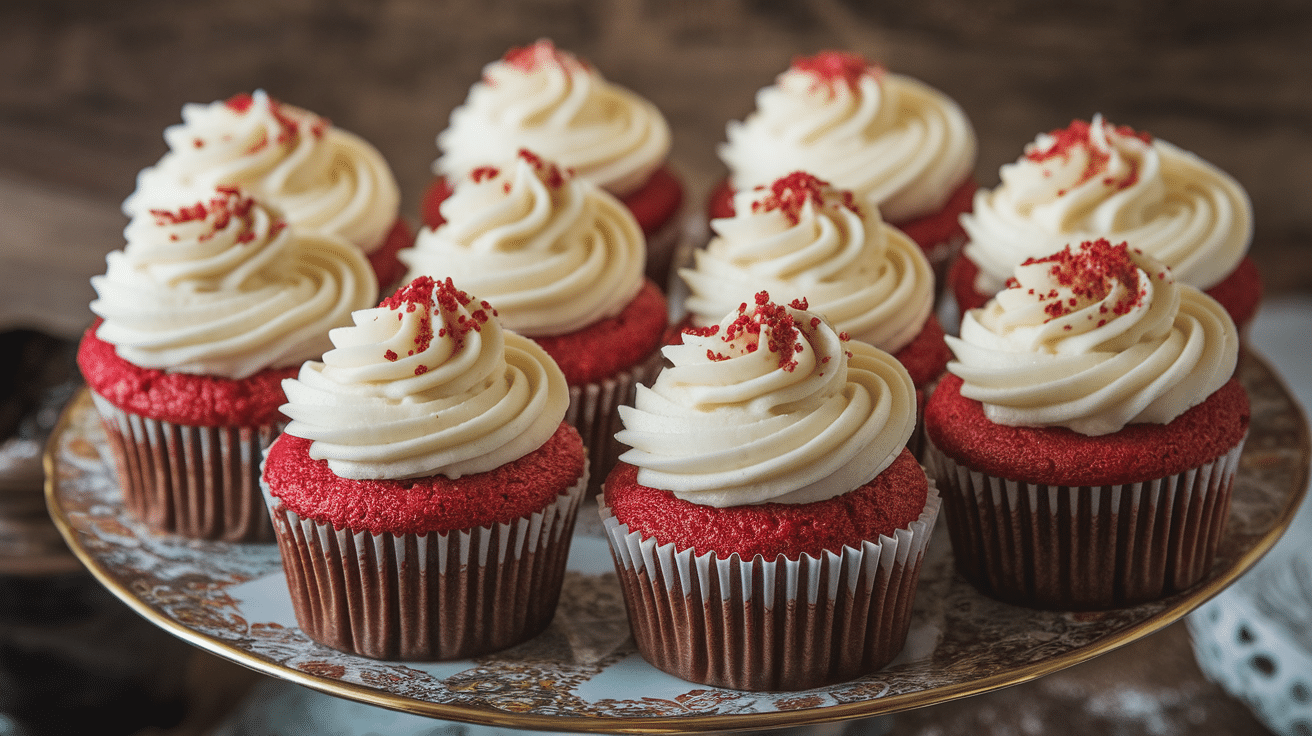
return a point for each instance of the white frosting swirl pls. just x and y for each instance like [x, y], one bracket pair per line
[550, 102]
[898, 144]
[1092, 339]
[222, 287]
[801, 238]
[321, 177]
[553, 253]
[1095, 180]
[771, 407]
[426, 384]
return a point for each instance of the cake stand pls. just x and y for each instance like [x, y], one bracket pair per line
[583, 674]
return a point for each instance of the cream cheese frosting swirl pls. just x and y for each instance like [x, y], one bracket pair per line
[1093, 180]
[223, 287]
[801, 238]
[769, 405]
[427, 383]
[1094, 338]
[323, 178]
[554, 253]
[550, 102]
[895, 142]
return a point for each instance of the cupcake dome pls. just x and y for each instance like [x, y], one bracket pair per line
[1095, 180]
[322, 178]
[897, 144]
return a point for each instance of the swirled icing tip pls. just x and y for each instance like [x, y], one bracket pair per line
[229, 202]
[1091, 138]
[831, 68]
[538, 54]
[426, 295]
[774, 320]
[289, 128]
[1089, 273]
[789, 194]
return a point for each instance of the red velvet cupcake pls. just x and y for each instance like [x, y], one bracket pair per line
[425, 491]
[323, 179]
[562, 262]
[549, 101]
[899, 145]
[202, 314]
[768, 523]
[799, 237]
[1088, 434]
[1095, 180]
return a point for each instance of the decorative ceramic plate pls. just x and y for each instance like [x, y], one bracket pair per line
[583, 673]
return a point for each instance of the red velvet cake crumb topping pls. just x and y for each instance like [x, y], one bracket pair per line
[831, 68]
[420, 505]
[182, 398]
[1062, 457]
[894, 499]
[1090, 273]
[783, 338]
[529, 58]
[424, 293]
[789, 194]
[220, 210]
[1076, 136]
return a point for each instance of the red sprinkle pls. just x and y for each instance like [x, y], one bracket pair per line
[240, 102]
[783, 332]
[228, 203]
[425, 294]
[529, 59]
[549, 173]
[483, 173]
[833, 67]
[789, 194]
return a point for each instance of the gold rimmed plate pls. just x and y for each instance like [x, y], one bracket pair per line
[583, 673]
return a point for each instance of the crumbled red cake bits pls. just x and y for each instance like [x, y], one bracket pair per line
[484, 173]
[549, 173]
[219, 211]
[529, 59]
[1090, 273]
[240, 103]
[833, 67]
[1075, 137]
[789, 194]
[784, 335]
[423, 295]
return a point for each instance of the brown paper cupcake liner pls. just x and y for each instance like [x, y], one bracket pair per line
[427, 597]
[196, 482]
[662, 246]
[1084, 547]
[771, 625]
[594, 410]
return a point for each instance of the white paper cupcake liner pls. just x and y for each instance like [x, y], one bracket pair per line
[1084, 547]
[594, 412]
[196, 482]
[427, 597]
[771, 625]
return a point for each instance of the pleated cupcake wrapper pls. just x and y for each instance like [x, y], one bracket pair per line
[427, 597]
[196, 482]
[771, 625]
[594, 412]
[1084, 547]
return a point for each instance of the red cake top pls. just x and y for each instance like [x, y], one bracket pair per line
[611, 345]
[182, 398]
[1059, 456]
[420, 505]
[894, 499]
